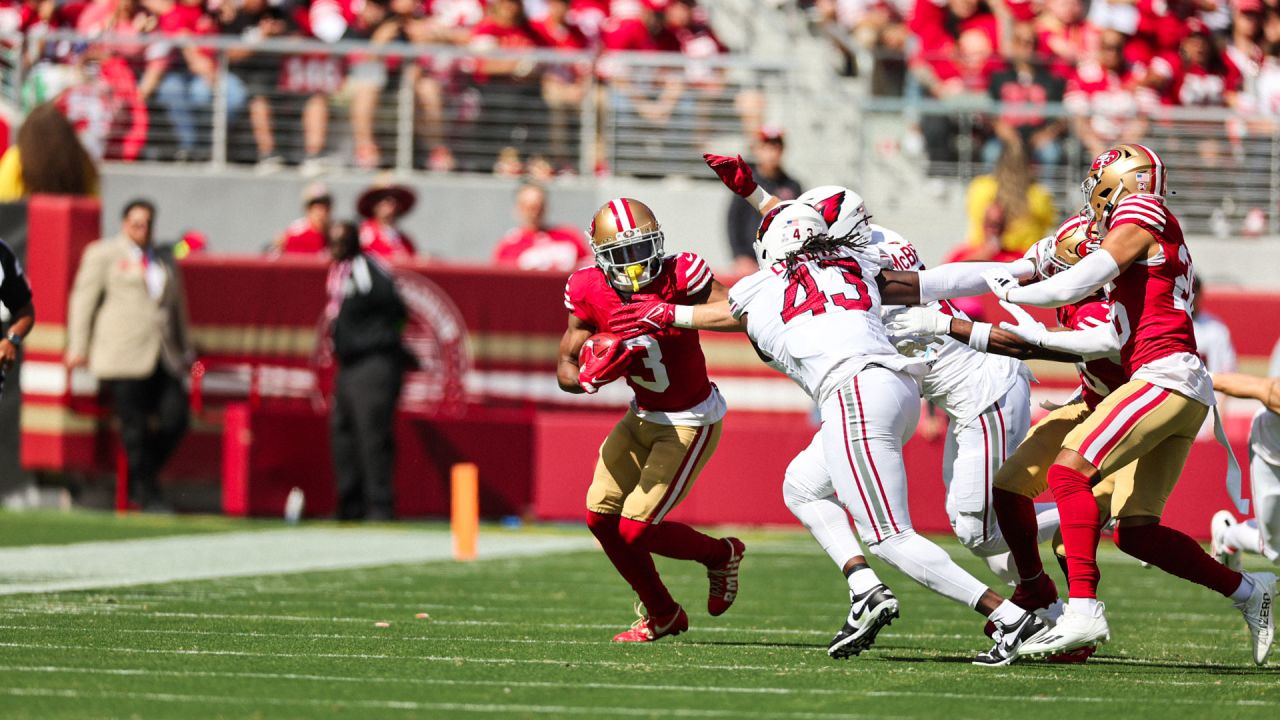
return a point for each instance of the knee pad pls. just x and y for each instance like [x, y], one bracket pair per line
[982, 539]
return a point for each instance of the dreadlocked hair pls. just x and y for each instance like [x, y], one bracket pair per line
[823, 249]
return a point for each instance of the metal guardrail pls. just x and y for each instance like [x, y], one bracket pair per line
[397, 105]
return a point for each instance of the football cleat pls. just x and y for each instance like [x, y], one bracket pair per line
[649, 628]
[724, 579]
[869, 613]
[1222, 552]
[1258, 614]
[1074, 630]
[1010, 639]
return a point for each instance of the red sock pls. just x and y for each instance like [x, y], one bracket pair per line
[1081, 528]
[1016, 515]
[676, 540]
[633, 564]
[1177, 554]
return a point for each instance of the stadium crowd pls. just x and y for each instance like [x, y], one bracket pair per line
[139, 91]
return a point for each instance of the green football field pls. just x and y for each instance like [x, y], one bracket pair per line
[526, 633]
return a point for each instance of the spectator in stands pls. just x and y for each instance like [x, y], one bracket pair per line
[1108, 98]
[191, 76]
[1029, 86]
[743, 219]
[1199, 72]
[1012, 203]
[876, 26]
[564, 87]
[47, 158]
[511, 98]
[1244, 52]
[367, 315]
[309, 234]
[1064, 35]
[534, 245]
[15, 297]
[367, 75]
[1213, 338]
[382, 206]
[127, 321]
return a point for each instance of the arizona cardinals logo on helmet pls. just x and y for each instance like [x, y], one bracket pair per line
[829, 207]
[767, 220]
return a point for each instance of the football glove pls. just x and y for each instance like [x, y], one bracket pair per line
[601, 361]
[917, 321]
[1025, 326]
[1000, 281]
[642, 318]
[733, 172]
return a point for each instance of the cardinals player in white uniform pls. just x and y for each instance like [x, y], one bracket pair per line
[813, 309]
[1260, 534]
[1145, 265]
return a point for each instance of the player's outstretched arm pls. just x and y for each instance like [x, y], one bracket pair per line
[714, 292]
[736, 175]
[636, 319]
[1121, 248]
[927, 322]
[570, 346]
[944, 282]
[1264, 390]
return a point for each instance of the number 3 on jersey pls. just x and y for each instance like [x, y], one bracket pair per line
[652, 361]
[803, 295]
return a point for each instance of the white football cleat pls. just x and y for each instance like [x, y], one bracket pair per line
[1052, 614]
[1073, 630]
[1258, 613]
[1222, 552]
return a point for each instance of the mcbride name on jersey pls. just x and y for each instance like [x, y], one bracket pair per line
[961, 381]
[1151, 304]
[673, 374]
[1100, 376]
[820, 325]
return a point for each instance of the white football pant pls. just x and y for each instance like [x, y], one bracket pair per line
[1260, 534]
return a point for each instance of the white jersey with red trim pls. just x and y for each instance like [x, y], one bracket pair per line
[961, 381]
[820, 323]
[1151, 302]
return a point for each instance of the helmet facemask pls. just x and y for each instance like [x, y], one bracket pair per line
[633, 259]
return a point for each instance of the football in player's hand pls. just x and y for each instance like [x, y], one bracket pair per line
[604, 358]
[599, 347]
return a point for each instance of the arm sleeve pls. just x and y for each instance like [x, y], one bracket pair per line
[1071, 285]
[1090, 343]
[954, 280]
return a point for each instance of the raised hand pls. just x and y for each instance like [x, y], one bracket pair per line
[734, 172]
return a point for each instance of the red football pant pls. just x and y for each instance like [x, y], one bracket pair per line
[1177, 554]
[633, 563]
[1081, 528]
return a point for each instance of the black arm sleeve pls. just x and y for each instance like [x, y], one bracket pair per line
[15, 291]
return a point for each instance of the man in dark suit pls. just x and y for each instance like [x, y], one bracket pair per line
[368, 317]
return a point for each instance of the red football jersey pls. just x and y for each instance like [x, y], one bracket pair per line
[1097, 377]
[671, 374]
[1151, 301]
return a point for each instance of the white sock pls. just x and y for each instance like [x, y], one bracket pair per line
[1243, 592]
[1006, 613]
[1047, 521]
[1244, 536]
[1084, 606]
[862, 580]
[930, 566]
[828, 523]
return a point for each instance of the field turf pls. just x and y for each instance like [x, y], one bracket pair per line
[529, 637]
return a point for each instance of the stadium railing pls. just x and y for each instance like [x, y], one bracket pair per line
[432, 107]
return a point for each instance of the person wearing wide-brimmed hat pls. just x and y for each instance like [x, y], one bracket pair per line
[382, 206]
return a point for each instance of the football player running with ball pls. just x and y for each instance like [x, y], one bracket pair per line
[813, 310]
[1152, 419]
[648, 463]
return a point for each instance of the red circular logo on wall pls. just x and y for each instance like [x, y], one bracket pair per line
[1105, 159]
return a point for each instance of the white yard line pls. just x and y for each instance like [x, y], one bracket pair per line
[81, 566]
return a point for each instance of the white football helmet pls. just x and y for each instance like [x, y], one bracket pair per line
[844, 211]
[785, 229]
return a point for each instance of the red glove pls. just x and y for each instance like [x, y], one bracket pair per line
[604, 358]
[734, 172]
[642, 318]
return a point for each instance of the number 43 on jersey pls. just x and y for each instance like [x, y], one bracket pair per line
[804, 296]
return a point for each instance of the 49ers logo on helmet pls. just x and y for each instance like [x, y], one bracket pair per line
[829, 208]
[1105, 159]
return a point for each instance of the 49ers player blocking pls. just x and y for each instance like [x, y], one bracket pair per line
[1153, 418]
[649, 461]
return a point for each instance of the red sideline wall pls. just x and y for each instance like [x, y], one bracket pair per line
[536, 452]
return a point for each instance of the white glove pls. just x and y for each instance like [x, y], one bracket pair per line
[1025, 327]
[1038, 252]
[920, 320]
[1000, 281]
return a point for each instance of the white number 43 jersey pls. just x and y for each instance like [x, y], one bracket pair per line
[820, 323]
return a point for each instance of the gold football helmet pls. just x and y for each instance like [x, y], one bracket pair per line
[1122, 170]
[626, 240]
[1076, 238]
